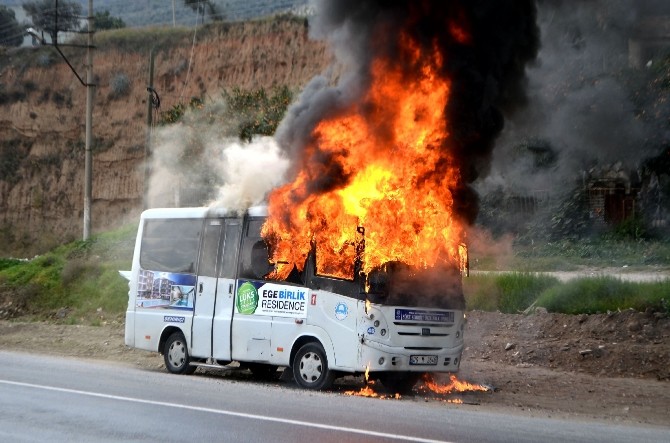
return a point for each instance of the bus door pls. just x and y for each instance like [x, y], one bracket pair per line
[227, 272]
[252, 328]
[214, 289]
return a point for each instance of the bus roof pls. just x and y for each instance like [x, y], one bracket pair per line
[202, 212]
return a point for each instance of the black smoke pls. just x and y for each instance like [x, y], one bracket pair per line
[585, 101]
[487, 73]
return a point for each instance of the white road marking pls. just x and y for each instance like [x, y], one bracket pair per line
[229, 413]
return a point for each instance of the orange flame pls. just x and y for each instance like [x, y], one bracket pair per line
[385, 168]
[454, 385]
[429, 386]
[366, 391]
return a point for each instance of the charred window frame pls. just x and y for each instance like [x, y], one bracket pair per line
[350, 288]
[171, 245]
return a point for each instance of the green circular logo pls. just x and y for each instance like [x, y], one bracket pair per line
[247, 298]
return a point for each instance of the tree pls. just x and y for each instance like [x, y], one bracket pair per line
[201, 5]
[43, 15]
[11, 33]
[103, 20]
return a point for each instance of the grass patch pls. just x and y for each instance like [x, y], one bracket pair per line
[598, 295]
[519, 291]
[76, 283]
[481, 293]
[515, 292]
[509, 293]
[142, 40]
[570, 255]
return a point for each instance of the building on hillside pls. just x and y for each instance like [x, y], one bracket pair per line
[612, 194]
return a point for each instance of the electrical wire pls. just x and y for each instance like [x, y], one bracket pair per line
[190, 60]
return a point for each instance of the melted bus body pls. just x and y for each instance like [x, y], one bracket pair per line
[198, 295]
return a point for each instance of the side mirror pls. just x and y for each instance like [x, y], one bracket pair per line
[378, 283]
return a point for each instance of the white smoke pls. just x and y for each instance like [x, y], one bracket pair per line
[250, 171]
[196, 163]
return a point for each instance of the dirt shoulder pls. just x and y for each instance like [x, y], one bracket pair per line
[613, 367]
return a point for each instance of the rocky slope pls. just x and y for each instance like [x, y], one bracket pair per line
[42, 116]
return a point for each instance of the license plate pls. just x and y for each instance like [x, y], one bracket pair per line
[431, 316]
[423, 359]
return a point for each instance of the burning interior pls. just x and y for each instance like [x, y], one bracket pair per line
[381, 197]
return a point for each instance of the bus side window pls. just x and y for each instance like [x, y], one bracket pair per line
[170, 245]
[210, 249]
[231, 242]
[255, 255]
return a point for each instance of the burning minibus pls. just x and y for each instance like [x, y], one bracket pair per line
[206, 289]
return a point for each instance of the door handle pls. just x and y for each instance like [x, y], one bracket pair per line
[200, 288]
[230, 289]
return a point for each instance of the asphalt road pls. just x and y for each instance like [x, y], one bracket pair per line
[55, 399]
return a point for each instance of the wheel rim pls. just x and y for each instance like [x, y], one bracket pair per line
[310, 367]
[177, 353]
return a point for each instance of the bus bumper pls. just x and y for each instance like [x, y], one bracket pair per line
[380, 357]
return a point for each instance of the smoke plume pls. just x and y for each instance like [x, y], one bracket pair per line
[484, 46]
[580, 109]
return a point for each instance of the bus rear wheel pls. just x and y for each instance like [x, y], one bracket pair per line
[175, 354]
[310, 367]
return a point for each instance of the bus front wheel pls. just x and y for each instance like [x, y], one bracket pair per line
[310, 367]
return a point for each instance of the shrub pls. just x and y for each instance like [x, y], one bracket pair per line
[12, 154]
[29, 86]
[119, 86]
[62, 99]
[78, 268]
[8, 262]
[45, 60]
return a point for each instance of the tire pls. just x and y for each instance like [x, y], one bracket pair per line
[399, 382]
[175, 354]
[262, 371]
[310, 367]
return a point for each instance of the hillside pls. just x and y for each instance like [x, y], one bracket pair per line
[42, 115]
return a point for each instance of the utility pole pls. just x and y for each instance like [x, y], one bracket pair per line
[152, 103]
[88, 161]
[88, 165]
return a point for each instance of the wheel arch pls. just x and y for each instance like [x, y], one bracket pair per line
[314, 337]
[168, 331]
